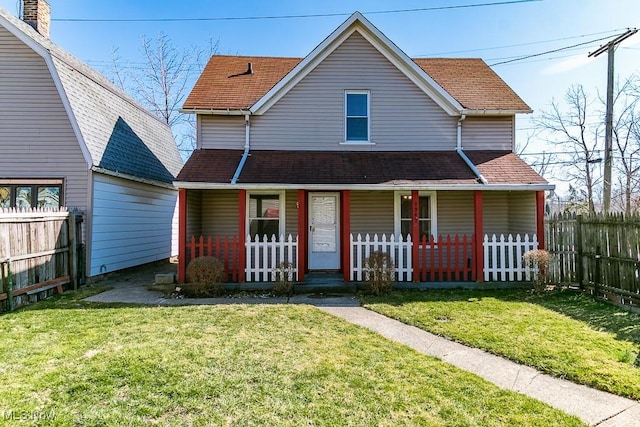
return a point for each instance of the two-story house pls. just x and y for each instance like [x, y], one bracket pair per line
[354, 148]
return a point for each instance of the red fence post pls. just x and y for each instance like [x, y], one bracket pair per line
[345, 227]
[302, 234]
[242, 232]
[477, 231]
[415, 229]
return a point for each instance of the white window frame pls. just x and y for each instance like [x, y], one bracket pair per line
[281, 209]
[397, 212]
[358, 92]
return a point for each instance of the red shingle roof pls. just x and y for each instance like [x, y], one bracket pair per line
[352, 168]
[225, 83]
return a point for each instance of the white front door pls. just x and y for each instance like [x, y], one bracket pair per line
[324, 231]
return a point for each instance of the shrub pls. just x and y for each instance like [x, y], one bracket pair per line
[285, 274]
[206, 275]
[537, 262]
[380, 272]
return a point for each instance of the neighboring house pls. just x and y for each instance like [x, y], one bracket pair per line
[68, 137]
[355, 139]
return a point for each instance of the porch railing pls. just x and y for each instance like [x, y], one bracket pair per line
[503, 257]
[398, 248]
[446, 259]
[226, 249]
[264, 255]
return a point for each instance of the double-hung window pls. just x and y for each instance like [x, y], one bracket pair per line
[265, 214]
[427, 218]
[356, 116]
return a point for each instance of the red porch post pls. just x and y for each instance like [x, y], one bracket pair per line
[302, 234]
[242, 231]
[478, 233]
[540, 218]
[415, 232]
[182, 235]
[345, 227]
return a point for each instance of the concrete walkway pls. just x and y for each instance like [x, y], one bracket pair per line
[594, 407]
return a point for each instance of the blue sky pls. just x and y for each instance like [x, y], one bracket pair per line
[484, 32]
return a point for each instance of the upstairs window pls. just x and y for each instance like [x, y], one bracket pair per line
[356, 116]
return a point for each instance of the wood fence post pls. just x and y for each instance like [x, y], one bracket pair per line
[596, 280]
[73, 252]
[579, 251]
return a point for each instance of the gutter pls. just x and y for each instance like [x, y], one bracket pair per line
[462, 155]
[154, 182]
[213, 111]
[247, 146]
[190, 185]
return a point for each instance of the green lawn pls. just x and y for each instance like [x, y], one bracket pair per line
[562, 333]
[90, 364]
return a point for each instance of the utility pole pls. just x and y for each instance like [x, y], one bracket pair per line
[608, 137]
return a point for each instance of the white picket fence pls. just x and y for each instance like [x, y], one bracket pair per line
[399, 249]
[503, 257]
[263, 255]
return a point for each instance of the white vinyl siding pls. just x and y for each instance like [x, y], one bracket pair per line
[132, 224]
[488, 133]
[311, 115]
[36, 137]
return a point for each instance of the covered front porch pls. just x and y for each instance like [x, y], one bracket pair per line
[433, 235]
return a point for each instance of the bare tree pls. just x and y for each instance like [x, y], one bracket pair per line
[626, 138]
[163, 81]
[544, 161]
[575, 134]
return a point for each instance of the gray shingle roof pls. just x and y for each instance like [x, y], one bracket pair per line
[120, 135]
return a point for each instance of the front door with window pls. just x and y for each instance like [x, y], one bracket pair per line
[324, 231]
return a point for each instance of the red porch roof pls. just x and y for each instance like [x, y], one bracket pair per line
[353, 168]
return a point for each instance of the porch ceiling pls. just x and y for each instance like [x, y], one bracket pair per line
[357, 168]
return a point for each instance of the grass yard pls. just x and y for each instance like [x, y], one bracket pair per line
[563, 333]
[88, 364]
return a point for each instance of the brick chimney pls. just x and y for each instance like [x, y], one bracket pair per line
[37, 13]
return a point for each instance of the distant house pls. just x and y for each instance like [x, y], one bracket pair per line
[353, 149]
[68, 137]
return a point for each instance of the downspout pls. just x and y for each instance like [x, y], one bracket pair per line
[247, 146]
[463, 155]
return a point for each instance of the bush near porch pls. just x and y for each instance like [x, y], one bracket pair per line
[98, 364]
[563, 333]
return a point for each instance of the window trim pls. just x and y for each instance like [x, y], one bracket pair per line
[368, 116]
[34, 184]
[281, 209]
[397, 212]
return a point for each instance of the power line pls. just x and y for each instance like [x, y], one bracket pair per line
[549, 51]
[523, 44]
[317, 15]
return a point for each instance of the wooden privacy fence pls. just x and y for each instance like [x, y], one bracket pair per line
[600, 253]
[37, 254]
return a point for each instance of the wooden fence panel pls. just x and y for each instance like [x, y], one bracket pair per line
[605, 254]
[37, 253]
